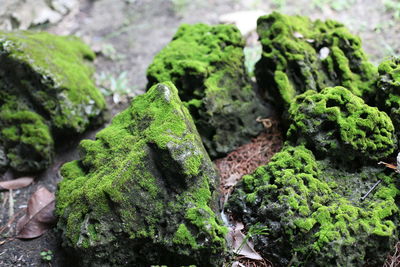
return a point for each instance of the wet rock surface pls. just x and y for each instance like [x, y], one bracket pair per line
[46, 90]
[207, 65]
[144, 192]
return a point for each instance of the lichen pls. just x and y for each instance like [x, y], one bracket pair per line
[148, 178]
[338, 124]
[314, 212]
[300, 54]
[206, 63]
[47, 77]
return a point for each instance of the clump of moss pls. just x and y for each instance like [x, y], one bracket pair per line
[300, 54]
[46, 90]
[206, 63]
[313, 211]
[335, 123]
[388, 92]
[144, 191]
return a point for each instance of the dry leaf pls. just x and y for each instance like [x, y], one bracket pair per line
[15, 183]
[240, 245]
[39, 216]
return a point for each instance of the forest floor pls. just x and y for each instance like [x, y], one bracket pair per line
[128, 33]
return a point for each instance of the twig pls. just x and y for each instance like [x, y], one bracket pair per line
[370, 190]
[11, 204]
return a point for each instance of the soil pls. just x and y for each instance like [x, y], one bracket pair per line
[127, 34]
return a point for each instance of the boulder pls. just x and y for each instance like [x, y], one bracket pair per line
[46, 90]
[313, 212]
[144, 192]
[206, 63]
[300, 55]
[335, 123]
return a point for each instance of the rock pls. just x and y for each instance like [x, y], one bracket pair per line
[143, 192]
[46, 90]
[24, 14]
[335, 123]
[313, 211]
[388, 92]
[206, 63]
[300, 55]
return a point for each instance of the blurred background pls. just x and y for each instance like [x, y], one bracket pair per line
[126, 34]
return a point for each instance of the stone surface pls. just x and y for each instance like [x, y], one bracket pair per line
[313, 212]
[46, 90]
[24, 14]
[335, 123]
[300, 55]
[206, 63]
[143, 192]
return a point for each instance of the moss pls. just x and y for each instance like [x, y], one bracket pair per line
[328, 225]
[388, 97]
[137, 178]
[26, 138]
[300, 54]
[206, 63]
[61, 85]
[338, 124]
[46, 90]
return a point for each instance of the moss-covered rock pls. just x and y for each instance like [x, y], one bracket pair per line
[46, 89]
[335, 123]
[388, 92]
[206, 63]
[313, 211]
[144, 191]
[300, 54]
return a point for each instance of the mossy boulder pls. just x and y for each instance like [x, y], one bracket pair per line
[206, 63]
[46, 90]
[313, 211]
[388, 92]
[337, 124]
[300, 55]
[144, 192]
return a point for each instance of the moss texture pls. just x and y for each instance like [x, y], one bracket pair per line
[313, 211]
[46, 89]
[300, 54]
[206, 63]
[335, 123]
[144, 191]
[388, 92]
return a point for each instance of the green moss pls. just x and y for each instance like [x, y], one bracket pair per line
[137, 178]
[300, 54]
[314, 210]
[388, 97]
[65, 91]
[46, 89]
[184, 237]
[338, 124]
[26, 138]
[206, 63]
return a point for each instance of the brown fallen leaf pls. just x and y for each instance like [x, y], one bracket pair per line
[39, 216]
[15, 183]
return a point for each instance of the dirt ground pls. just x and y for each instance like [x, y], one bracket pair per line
[128, 33]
